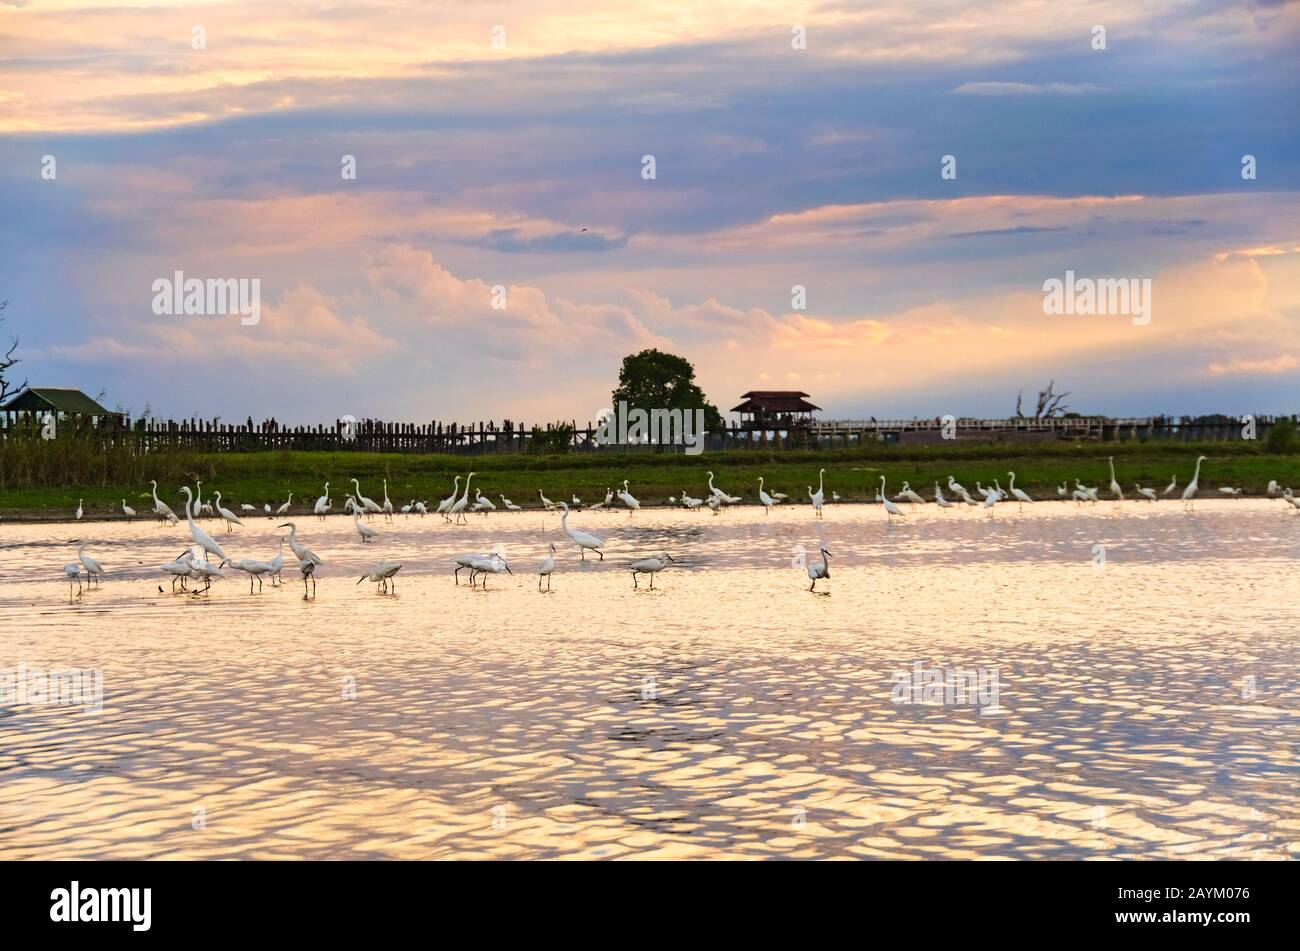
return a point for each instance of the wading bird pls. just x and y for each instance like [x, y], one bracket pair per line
[205, 571]
[127, 510]
[482, 503]
[254, 569]
[766, 499]
[201, 538]
[285, 507]
[388, 506]
[1115, 490]
[445, 505]
[721, 496]
[178, 569]
[546, 569]
[649, 566]
[467, 561]
[546, 503]
[689, 502]
[422, 509]
[890, 508]
[626, 498]
[369, 506]
[583, 540]
[301, 552]
[161, 508]
[510, 506]
[322, 504]
[816, 572]
[365, 531]
[1063, 490]
[230, 518]
[1189, 493]
[908, 494]
[382, 575]
[458, 507]
[78, 508]
[245, 507]
[93, 569]
[308, 570]
[939, 500]
[1149, 494]
[72, 570]
[1173, 484]
[492, 564]
[1018, 494]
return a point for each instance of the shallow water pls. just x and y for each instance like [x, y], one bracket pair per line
[727, 713]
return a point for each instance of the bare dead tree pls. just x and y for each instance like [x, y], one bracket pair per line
[1050, 403]
[1020, 396]
[7, 361]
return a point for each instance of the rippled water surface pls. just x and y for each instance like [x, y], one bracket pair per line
[1146, 707]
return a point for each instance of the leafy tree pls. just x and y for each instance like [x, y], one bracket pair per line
[1282, 437]
[653, 379]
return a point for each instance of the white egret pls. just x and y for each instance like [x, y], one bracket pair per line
[1173, 484]
[1063, 490]
[130, 512]
[939, 500]
[583, 540]
[609, 496]
[207, 571]
[450, 500]
[1020, 495]
[422, 509]
[93, 568]
[458, 507]
[406, 509]
[196, 506]
[714, 502]
[231, 519]
[1149, 494]
[382, 575]
[277, 563]
[910, 495]
[322, 504]
[689, 502]
[721, 496]
[365, 531]
[576, 501]
[245, 507]
[78, 508]
[1273, 488]
[369, 506]
[546, 503]
[626, 498]
[780, 496]
[267, 508]
[388, 506]
[821, 492]
[816, 572]
[764, 498]
[546, 569]
[73, 570]
[301, 552]
[890, 508]
[201, 538]
[1115, 490]
[161, 508]
[285, 507]
[1189, 493]
[510, 506]
[483, 503]
[1234, 493]
[650, 566]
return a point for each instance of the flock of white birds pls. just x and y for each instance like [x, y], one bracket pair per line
[196, 564]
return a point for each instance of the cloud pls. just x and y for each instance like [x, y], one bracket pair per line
[1024, 89]
[1263, 365]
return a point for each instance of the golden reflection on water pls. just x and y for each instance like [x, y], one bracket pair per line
[728, 713]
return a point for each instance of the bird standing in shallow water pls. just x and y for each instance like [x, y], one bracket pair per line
[650, 566]
[817, 572]
[546, 569]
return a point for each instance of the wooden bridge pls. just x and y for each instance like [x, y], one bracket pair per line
[156, 435]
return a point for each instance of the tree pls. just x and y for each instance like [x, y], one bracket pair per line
[7, 361]
[653, 379]
[1050, 403]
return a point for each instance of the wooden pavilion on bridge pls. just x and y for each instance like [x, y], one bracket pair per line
[775, 410]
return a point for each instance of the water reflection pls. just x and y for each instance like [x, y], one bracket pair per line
[726, 713]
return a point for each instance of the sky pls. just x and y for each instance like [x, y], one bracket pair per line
[503, 145]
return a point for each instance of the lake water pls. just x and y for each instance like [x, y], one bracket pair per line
[1132, 701]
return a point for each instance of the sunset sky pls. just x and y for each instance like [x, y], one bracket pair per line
[479, 166]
